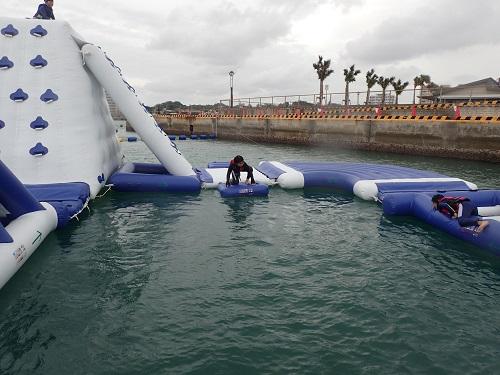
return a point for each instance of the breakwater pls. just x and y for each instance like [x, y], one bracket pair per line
[471, 137]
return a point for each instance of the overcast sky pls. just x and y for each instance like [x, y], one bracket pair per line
[183, 50]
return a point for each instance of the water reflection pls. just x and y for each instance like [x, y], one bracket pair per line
[240, 209]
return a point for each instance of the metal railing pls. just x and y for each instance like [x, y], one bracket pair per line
[311, 102]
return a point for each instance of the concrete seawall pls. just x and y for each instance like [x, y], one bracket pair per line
[474, 140]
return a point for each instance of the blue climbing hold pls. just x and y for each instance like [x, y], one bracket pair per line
[39, 123]
[38, 62]
[39, 149]
[38, 31]
[5, 63]
[2, 124]
[9, 31]
[49, 96]
[19, 96]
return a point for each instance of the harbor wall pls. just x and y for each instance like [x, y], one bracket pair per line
[462, 139]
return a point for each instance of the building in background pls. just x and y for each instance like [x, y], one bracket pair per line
[377, 99]
[484, 89]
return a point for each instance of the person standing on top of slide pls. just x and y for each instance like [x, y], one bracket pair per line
[45, 11]
[236, 166]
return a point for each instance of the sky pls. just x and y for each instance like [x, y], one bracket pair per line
[184, 50]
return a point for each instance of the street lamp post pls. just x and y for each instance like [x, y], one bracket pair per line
[231, 75]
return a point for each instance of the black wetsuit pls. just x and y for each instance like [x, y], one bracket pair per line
[233, 173]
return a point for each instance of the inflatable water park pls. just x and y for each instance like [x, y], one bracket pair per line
[59, 149]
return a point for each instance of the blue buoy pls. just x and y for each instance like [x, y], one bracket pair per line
[38, 31]
[49, 96]
[5, 63]
[19, 96]
[9, 31]
[212, 136]
[39, 123]
[203, 136]
[38, 62]
[39, 150]
[182, 137]
[172, 137]
[194, 136]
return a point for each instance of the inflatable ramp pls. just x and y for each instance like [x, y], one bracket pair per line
[420, 206]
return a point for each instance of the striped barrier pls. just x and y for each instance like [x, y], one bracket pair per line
[360, 117]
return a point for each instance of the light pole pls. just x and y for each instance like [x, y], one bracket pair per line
[231, 75]
[326, 94]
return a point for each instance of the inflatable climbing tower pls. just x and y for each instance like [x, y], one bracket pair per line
[55, 124]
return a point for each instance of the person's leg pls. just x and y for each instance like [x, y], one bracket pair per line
[482, 225]
[467, 221]
[250, 176]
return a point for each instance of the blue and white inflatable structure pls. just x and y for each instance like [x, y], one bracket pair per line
[58, 146]
[420, 206]
[56, 133]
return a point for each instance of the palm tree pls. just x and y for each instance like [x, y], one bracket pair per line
[323, 70]
[399, 88]
[350, 76]
[371, 80]
[420, 80]
[384, 82]
[436, 90]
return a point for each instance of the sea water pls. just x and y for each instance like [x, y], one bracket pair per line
[306, 282]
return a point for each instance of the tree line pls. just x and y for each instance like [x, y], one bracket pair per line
[324, 70]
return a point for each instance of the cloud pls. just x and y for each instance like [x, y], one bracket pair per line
[225, 34]
[230, 31]
[172, 50]
[428, 30]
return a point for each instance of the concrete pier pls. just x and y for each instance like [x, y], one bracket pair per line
[462, 139]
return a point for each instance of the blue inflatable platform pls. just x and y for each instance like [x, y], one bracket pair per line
[243, 190]
[68, 199]
[144, 177]
[362, 179]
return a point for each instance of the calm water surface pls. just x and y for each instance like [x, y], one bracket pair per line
[300, 282]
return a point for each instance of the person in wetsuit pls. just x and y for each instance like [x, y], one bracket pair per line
[236, 166]
[45, 11]
[460, 208]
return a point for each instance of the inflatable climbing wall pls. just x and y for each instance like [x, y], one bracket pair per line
[55, 124]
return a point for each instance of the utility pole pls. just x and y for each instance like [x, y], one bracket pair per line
[231, 75]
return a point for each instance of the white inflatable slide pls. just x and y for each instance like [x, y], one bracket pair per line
[109, 76]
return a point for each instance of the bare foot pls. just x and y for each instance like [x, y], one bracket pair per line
[482, 226]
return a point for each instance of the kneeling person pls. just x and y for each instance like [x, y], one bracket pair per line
[236, 166]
